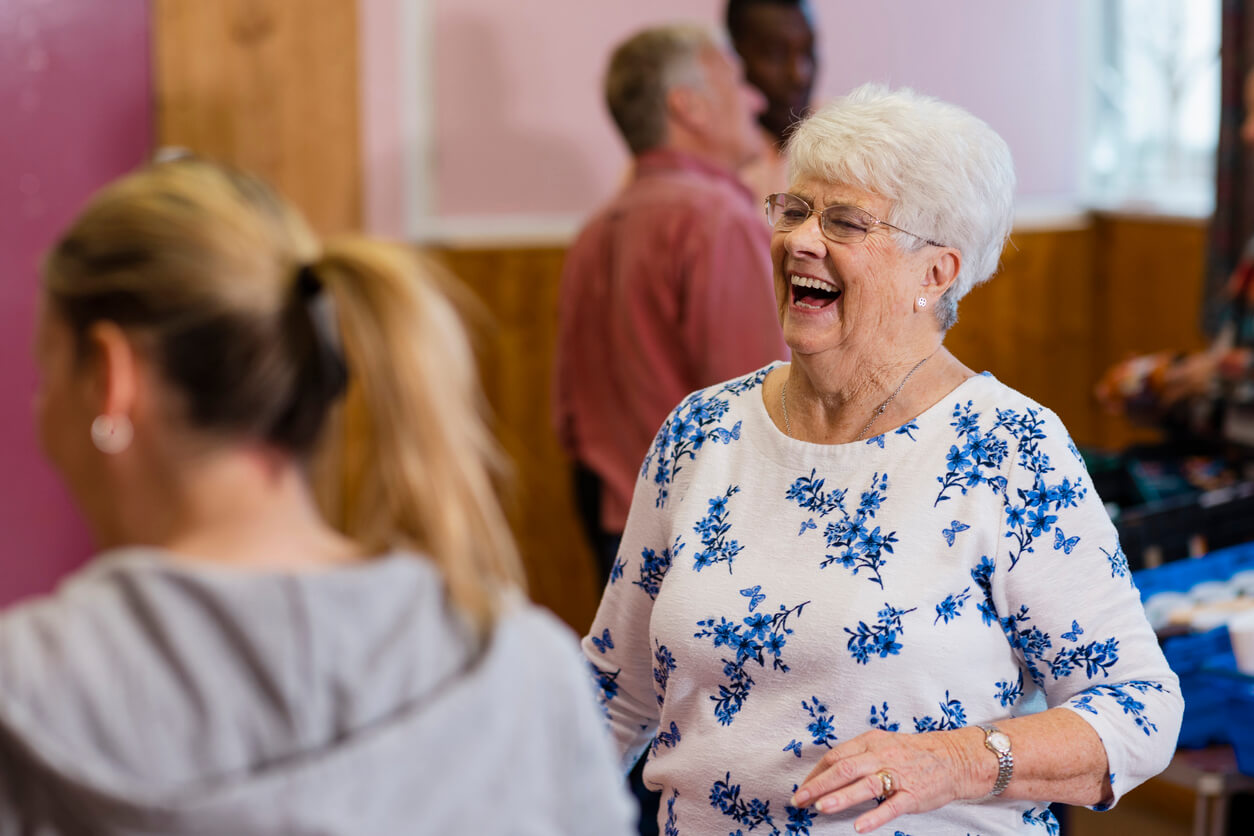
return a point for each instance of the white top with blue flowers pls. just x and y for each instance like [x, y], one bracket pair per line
[772, 597]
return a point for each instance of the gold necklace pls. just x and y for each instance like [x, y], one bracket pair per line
[783, 401]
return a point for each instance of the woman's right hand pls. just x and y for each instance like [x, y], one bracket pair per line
[927, 771]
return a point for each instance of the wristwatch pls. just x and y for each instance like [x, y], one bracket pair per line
[999, 744]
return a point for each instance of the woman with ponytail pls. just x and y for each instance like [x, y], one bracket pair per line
[307, 612]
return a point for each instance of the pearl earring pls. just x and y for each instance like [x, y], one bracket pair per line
[112, 433]
[922, 301]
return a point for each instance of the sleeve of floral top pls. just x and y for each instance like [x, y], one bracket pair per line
[1062, 591]
[618, 647]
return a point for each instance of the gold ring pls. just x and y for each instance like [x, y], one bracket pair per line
[887, 783]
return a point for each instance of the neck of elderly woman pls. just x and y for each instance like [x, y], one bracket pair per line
[840, 396]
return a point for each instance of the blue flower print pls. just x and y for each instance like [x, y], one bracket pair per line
[663, 667]
[800, 819]
[953, 716]
[822, 723]
[1130, 704]
[968, 463]
[1095, 658]
[879, 719]
[714, 528]
[978, 456]
[951, 607]
[908, 429]
[685, 432]
[616, 572]
[753, 638]
[982, 574]
[879, 639]
[1045, 818]
[725, 797]
[807, 491]
[671, 828]
[1008, 693]
[1118, 562]
[654, 566]
[850, 540]
[666, 738]
[821, 726]
[1039, 521]
[607, 683]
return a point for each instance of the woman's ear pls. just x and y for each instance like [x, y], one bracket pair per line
[114, 369]
[943, 271]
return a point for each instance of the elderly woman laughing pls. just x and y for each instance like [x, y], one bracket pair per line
[873, 583]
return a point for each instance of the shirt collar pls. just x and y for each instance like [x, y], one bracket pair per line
[667, 159]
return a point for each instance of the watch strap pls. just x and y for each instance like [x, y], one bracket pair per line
[1005, 759]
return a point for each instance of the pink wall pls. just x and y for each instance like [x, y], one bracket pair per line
[74, 94]
[517, 126]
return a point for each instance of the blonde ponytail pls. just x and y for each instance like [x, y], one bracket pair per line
[225, 280]
[409, 460]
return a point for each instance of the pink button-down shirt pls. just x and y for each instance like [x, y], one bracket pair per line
[668, 289]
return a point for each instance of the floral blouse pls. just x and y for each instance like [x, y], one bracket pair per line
[773, 597]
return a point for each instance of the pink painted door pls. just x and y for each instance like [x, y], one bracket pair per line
[74, 114]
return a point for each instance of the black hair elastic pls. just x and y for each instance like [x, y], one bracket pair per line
[313, 334]
[320, 308]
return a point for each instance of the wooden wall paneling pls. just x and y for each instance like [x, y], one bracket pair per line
[1031, 325]
[519, 290]
[271, 86]
[1148, 292]
[1065, 304]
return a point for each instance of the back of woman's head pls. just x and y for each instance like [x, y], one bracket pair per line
[950, 176]
[202, 263]
[255, 330]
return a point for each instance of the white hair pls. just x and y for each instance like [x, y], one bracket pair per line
[948, 174]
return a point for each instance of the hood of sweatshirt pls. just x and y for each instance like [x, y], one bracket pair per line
[152, 696]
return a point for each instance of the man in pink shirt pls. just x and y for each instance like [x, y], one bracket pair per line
[668, 288]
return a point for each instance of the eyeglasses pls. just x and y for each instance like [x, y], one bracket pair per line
[838, 222]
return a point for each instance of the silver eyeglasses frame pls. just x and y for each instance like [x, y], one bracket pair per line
[871, 221]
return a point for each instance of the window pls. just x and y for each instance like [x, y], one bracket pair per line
[1155, 105]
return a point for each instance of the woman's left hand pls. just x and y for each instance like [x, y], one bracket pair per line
[926, 770]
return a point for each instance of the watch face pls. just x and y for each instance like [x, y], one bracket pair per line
[999, 741]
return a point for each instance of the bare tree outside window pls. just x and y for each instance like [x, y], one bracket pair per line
[1155, 105]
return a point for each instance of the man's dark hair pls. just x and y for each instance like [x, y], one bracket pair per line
[736, 12]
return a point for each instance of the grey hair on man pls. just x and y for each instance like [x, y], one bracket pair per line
[642, 72]
[949, 175]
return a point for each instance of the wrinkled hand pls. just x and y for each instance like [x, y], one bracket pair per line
[929, 770]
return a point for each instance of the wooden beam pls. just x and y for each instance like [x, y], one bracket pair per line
[270, 86]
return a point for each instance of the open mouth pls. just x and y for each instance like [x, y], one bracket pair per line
[812, 294]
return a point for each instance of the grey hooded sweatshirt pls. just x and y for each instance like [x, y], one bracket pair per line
[148, 696]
